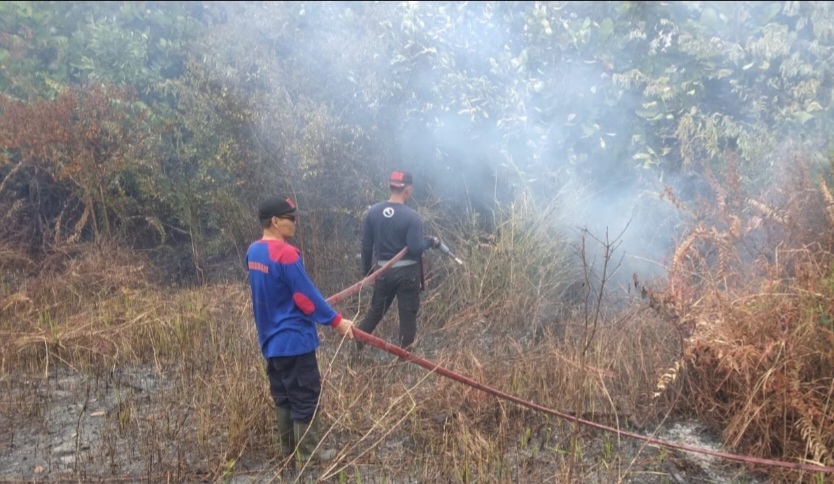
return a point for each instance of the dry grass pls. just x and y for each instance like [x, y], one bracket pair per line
[752, 289]
[501, 320]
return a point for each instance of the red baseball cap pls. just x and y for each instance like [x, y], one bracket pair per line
[400, 179]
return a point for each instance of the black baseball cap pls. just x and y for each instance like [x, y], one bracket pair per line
[399, 179]
[275, 206]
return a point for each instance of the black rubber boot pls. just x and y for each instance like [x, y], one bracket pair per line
[308, 438]
[285, 430]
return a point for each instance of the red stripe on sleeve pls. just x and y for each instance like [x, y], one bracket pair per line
[304, 303]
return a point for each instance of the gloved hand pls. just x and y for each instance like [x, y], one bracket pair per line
[434, 242]
[345, 328]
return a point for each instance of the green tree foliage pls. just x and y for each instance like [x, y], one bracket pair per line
[516, 97]
[47, 45]
[744, 77]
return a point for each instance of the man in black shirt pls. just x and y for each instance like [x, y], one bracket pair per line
[390, 226]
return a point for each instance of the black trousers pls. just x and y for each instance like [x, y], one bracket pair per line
[295, 384]
[402, 283]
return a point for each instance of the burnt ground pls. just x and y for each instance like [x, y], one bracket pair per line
[72, 427]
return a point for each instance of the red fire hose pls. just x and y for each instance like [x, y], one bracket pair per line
[396, 350]
[367, 280]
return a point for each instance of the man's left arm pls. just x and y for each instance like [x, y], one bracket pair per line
[417, 244]
[367, 253]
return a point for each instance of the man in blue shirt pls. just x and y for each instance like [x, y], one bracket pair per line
[287, 306]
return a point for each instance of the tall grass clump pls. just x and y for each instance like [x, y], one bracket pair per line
[750, 287]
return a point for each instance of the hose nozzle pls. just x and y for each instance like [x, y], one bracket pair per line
[448, 252]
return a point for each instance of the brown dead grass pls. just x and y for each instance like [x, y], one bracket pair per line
[752, 287]
[499, 320]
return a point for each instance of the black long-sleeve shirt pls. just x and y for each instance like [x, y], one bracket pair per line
[388, 228]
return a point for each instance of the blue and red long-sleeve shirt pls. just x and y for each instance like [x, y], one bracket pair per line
[285, 302]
